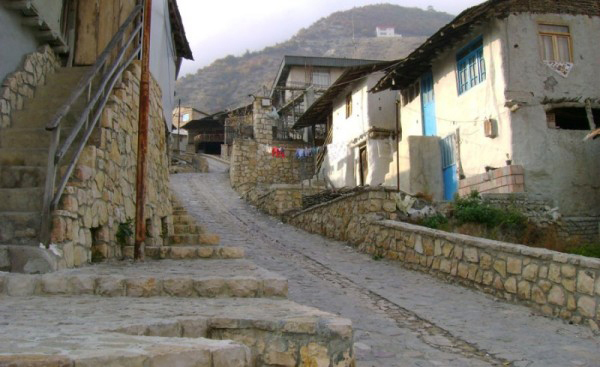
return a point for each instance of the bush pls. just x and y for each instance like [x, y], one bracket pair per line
[437, 221]
[590, 250]
[473, 210]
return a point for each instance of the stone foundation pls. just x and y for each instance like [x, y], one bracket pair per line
[100, 195]
[503, 180]
[20, 85]
[284, 198]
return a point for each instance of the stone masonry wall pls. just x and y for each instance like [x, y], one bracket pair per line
[282, 198]
[556, 284]
[252, 164]
[347, 217]
[101, 194]
[503, 180]
[21, 85]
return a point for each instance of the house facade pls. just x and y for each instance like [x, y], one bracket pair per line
[510, 84]
[361, 128]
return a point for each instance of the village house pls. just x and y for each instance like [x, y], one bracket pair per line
[386, 31]
[510, 89]
[206, 134]
[69, 104]
[182, 115]
[361, 127]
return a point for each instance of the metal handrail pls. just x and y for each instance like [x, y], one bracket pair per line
[89, 117]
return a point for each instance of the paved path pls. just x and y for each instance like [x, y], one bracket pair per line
[401, 317]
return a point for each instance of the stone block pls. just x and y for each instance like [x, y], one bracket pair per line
[524, 290]
[586, 306]
[232, 356]
[471, 254]
[530, 272]
[18, 285]
[178, 287]
[554, 273]
[514, 265]
[142, 287]
[463, 270]
[538, 295]
[556, 296]
[545, 285]
[171, 355]
[55, 284]
[485, 261]
[500, 267]
[510, 285]
[568, 271]
[585, 282]
[110, 286]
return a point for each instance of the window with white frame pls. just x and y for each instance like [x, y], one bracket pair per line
[470, 66]
[555, 43]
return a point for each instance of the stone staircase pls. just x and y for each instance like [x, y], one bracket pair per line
[209, 311]
[24, 157]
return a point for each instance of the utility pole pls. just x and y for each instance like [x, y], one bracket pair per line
[140, 184]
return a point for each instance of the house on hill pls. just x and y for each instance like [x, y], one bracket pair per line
[69, 111]
[510, 90]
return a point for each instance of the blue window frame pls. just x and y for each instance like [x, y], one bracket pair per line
[470, 65]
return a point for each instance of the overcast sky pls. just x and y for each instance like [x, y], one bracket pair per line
[218, 28]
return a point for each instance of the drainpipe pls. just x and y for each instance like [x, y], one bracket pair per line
[140, 224]
[398, 129]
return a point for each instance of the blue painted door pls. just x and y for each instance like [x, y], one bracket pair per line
[449, 170]
[428, 105]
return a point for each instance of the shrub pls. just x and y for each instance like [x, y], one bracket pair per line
[437, 221]
[590, 250]
[473, 210]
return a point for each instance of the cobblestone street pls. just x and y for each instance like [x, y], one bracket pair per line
[400, 317]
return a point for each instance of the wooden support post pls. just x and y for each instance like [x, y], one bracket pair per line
[140, 223]
[398, 132]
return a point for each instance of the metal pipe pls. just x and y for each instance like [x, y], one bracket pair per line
[398, 143]
[140, 225]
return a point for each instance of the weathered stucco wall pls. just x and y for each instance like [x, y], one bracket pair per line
[559, 166]
[16, 39]
[101, 194]
[420, 167]
[341, 164]
[467, 112]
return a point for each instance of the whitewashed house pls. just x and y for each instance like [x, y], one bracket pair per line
[510, 88]
[361, 125]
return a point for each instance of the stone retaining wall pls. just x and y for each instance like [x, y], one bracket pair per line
[347, 217]
[21, 85]
[503, 180]
[101, 193]
[284, 198]
[556, 284]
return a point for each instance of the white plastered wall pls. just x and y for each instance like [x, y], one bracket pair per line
[341, 163]
[559, 166]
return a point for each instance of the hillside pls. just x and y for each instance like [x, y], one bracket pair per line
[227, 82]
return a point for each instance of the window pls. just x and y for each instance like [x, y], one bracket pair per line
[556, 43]
[571, 118]
[349, 105]
[321, 78]
[410, 93]
[470, 66]
[186, 117]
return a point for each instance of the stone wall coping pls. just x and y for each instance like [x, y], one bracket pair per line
[493, 245]
[366, 190]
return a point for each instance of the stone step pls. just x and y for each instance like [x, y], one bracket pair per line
[194, 239]
[19, 228]
[165, 278]
[22, 176]
[187, 229]
[26, 137]
[189, 252]
[277, 332]
[21, 199]
[24, 157]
